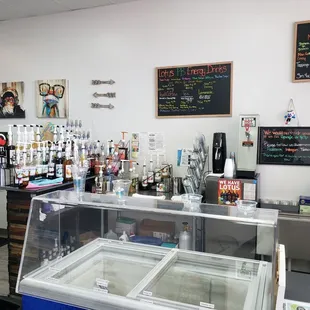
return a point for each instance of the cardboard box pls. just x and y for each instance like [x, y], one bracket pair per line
[125, 224]
[304, 204]
[88, 237]
[158, 229]
[304, 200]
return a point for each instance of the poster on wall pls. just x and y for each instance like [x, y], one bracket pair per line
[52, 98]
[229, 191]
[12, 100]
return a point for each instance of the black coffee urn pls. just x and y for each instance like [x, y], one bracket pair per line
[219, 152]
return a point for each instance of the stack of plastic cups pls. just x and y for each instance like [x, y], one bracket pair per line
[79, 179]
[121, 189]
[191, 202]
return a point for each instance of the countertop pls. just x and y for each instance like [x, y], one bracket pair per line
[41, 190]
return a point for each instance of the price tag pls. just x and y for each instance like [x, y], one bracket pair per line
[204, 305]
[146, 301]
[97, 289]
[52, 279]
[147, 293]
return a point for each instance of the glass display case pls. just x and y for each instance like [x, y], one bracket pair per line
[72, 254]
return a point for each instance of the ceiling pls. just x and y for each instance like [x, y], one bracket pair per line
[13, 9]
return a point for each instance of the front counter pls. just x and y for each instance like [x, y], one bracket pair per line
[70, 255]
[18, 206]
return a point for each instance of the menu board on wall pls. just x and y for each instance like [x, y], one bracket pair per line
[302, 52]
[194, 90]
[284, 146]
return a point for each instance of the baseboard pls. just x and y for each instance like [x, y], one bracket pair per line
[3, 233]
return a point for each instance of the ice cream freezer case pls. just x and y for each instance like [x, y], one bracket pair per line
[92, 272]
[108, 274]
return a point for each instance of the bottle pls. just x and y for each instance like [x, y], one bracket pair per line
[124, 237]
[11, 149]
[18, 182]
[51, 164]
[144, 175]
[38, 161]
[38, 134]
[165, 168]
[55, 137]
[233, 157]
[44, 159]
[99, 182]
[150, 173]
[68, 164]
[59, 163]
[61, 134]
[157, 170]
[83, 158]
[185, 239]
[31, 163]
[25, 167]
[111, 235]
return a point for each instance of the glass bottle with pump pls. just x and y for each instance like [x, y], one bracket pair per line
[68, 164]
[150, 173]
[18, 167]
[11, 149]
[100, 182]
[51, 164]
[44, 159]
[39, 161]
[165, 168]
[144, 182]
[157, 170]
[25, 167]
[59, 163]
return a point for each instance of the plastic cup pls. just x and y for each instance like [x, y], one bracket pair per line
[121, 188]
[191, 202]
[79, 179]
[247, 207]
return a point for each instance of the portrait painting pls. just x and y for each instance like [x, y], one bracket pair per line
[12, 100]
[52, 98]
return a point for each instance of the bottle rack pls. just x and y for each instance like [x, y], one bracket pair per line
[198, 167]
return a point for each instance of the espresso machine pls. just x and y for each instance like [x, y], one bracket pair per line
[247, 146]
[219, 152]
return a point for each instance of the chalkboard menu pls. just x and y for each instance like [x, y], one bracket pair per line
[194, 91]
[302, 52]
[284, 146]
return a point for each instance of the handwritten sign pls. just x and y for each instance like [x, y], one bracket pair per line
[302, 52]
[284, 146]
[194, 91]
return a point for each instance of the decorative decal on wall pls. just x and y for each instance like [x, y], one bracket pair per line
[99, 82]
[52, 98]
[12, 100]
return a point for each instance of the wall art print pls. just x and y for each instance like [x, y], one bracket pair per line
[52, 98]
[12, 100]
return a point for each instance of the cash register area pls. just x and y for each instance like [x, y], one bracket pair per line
[154, 155]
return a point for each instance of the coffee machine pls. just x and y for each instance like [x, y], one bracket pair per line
[219, 152]
[247, 146]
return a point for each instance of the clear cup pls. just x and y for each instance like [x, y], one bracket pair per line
[79, 179]
[121, 188]
[247, 207]
[191, 202]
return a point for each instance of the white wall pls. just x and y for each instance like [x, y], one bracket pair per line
[128, 41]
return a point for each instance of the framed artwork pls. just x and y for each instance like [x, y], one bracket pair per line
[12, 100]
[52, 98]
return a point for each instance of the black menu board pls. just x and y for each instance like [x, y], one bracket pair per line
[284, 146]
[194, 90]
[302, 52]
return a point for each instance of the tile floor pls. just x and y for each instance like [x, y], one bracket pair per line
[4, 275]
